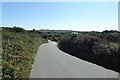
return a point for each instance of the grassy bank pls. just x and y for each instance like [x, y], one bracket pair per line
[19, 49]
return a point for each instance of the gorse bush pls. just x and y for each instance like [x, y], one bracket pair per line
[19, 49]
[94, 47]
[18, 29]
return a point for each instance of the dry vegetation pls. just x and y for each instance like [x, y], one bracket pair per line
[19, 49]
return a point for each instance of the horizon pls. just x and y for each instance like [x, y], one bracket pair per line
[80, 16]
[55, 29]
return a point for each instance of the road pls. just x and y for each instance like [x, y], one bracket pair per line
[50, 62]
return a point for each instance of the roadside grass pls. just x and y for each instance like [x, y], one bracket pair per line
[20, 47]
[19, 50]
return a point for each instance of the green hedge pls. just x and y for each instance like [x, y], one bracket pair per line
[93, 48]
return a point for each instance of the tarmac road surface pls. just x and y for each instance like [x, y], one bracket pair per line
[50, 62]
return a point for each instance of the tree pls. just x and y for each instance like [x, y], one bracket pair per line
[33, 30]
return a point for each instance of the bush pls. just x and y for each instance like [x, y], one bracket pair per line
[18, 29]
[93, 48]
[19, 50]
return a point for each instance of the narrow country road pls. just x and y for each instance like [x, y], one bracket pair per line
[50, 62]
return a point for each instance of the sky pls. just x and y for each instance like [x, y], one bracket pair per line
[78, 16]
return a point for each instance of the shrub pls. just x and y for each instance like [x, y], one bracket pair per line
[93, 49]
[18, 29]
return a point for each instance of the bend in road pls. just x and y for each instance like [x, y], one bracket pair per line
[50, 62]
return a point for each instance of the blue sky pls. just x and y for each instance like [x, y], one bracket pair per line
[80, 16]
